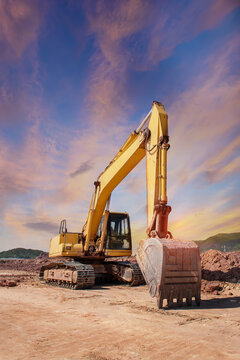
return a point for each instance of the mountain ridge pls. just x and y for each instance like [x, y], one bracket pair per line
[221, 241]
[21, 253]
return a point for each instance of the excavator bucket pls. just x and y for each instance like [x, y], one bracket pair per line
[172, 270]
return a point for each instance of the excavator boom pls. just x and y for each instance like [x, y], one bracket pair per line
[150, 141]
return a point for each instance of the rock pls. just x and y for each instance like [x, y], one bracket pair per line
[212, 286]
[11, 283]
[8, 283]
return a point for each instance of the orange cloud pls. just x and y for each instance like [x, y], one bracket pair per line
[20, 168]
[202, 222]
[231, 168]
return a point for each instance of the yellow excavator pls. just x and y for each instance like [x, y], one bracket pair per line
[170, 267]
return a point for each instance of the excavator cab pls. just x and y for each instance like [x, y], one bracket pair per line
[118, 234]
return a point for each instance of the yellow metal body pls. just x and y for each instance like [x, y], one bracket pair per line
[156, 159]
[65, 244]
[150, 141]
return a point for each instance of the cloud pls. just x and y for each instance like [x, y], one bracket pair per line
[137, 35]
[19, 25]
[112, 23]
[27, 229]
[231, 168]
[106, 98]
[42, 226]
[179, 23]
[83, 168]
[159, 27]
[20, 84]
[202, 222]
[98, 145]
[21, 165]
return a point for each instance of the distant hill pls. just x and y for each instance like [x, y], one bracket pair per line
[20, 253]
[223, 242]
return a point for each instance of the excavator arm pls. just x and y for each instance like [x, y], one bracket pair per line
[150, 140]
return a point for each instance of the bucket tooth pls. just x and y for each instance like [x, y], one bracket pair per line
[198, 300]
[180, 302]
[189, 301]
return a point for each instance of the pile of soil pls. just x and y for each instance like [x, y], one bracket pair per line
[221, 266]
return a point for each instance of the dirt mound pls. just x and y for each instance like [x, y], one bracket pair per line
[222, 266]
[30, 265]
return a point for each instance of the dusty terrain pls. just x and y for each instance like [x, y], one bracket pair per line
[114, 322]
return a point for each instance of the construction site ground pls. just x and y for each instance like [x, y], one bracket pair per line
[113, 322]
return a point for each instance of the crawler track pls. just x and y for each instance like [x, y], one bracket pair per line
[75, 275]
[69, 274]
[119, 270]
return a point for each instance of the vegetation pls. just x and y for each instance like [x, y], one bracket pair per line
[223, 242]
[20, 253]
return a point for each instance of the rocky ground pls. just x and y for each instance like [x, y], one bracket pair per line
[117, 322]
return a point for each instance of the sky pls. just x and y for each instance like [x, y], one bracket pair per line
[77, 77]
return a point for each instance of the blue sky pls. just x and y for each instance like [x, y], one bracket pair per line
[77, 77]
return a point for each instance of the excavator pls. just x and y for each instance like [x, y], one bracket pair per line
[171, 268]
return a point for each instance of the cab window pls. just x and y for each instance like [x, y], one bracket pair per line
[118, 232]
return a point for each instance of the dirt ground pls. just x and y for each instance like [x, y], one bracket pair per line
[112, 323]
